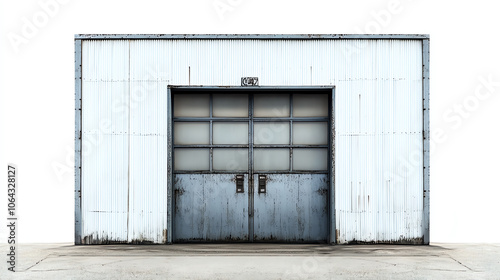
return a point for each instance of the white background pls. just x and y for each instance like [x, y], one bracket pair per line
[37, 92]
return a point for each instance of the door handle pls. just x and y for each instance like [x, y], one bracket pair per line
[239, 184]
[262, 183]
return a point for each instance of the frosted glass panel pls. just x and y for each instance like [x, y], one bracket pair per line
[191, 105]
[191, 133]
[272, 133]
[310, 159]
[230, 133]
[271, 105]
[230, 159]
[310, 105]
[271, 159]
[310, 133]
[230, 105]
[192, 159]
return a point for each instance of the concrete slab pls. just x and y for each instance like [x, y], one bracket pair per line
[254, 261]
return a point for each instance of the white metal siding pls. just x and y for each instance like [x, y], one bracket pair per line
[379, 186]
[105, 141]
[148, 146]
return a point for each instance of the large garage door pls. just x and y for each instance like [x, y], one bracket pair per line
[251, 165]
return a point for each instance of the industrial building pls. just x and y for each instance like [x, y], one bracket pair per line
[251, 138]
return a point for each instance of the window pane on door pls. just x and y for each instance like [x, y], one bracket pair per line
[310, 105]
[191, 105]
[304, 159]
[310, 133]
[191, 133]
[230, 105]
[271, 105]
[230, 159]
[272, 133]
[192, 159]
[271, 159]
[230, 133]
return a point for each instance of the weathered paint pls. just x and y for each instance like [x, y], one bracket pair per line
[378, 160]
[78, 141]
[207, 208]
[105, 142]
[332, 234]
[170, 172]
[380, 87]
[293, 209]
[426, 139]
[124, 138]
[148, 154]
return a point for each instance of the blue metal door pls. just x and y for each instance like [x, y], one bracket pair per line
[207, 208]
[292, 209]
[251, 165]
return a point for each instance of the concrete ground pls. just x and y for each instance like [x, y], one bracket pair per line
[254, 261]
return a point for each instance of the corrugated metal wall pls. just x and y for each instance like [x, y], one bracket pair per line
[378, 178]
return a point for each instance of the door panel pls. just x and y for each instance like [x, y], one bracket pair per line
[293, 209]
[217, 136]
[207, 208]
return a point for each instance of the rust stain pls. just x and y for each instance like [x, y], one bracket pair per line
[400, 241]
[165, 236]
[322, 192]
[141, 242]
[94, 239]
[229, 238]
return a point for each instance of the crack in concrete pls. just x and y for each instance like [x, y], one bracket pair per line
[449, 270]
[37, 263]
[460, 263]
[55, 269]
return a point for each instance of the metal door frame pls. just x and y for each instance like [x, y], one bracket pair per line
[331, 237]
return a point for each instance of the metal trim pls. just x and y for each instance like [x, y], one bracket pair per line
[209, 119]
[249, 36]
[210, 132]
[170, 167]
[290, 146]
[240, 88]
[246, 172]
[251, 187]
[210, 172]
[211, 146]
[78, 142]
[331, 162]
[246, 146]
[290, 131]
[426, 140]
[222, 119]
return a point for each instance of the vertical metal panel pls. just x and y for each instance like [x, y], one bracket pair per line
[105, 94]
[378, 176]
[148, 144]
[378, 145]
[426, 139]
[78, 140]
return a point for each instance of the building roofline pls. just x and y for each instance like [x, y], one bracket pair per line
[249, 36]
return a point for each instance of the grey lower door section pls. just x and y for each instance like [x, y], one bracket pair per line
[208, 208]
[294, 208]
